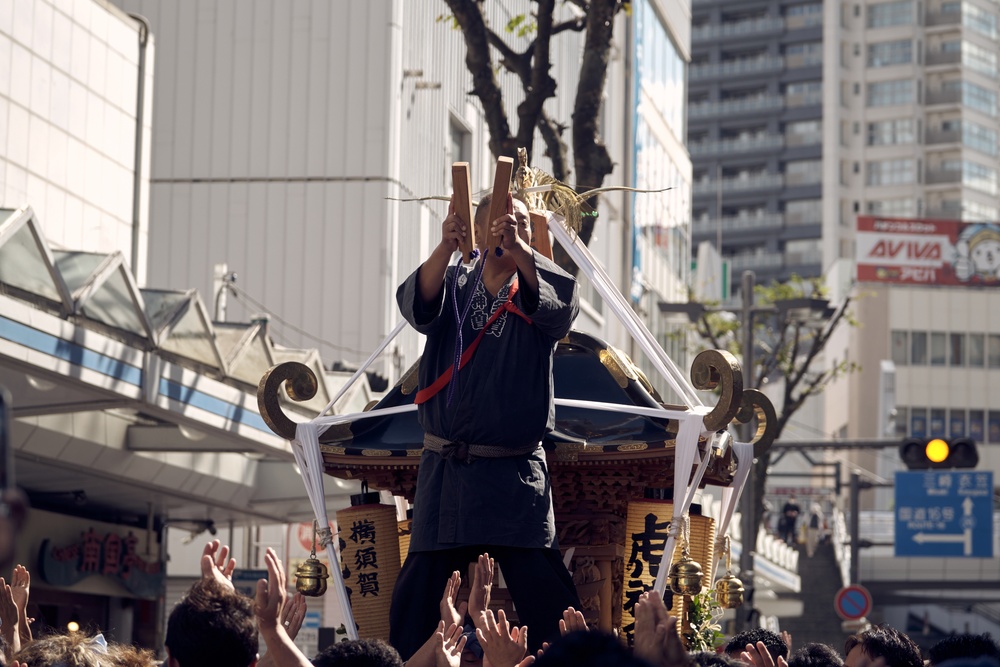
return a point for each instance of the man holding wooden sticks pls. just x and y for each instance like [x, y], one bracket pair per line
[485, 403]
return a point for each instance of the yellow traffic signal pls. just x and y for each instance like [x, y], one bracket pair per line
[939, 453]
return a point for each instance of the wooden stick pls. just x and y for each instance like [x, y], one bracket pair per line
[501, 188]
[461, 183]
[540, 233]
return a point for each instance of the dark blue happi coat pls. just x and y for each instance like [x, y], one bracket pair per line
[502, 397]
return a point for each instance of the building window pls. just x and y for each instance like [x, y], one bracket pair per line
[979, 137]
[981, 20]
[892, 132]
[979, 59]
[918, 422]
[993, 351]
[900, 348]
[887, 54]
[938, 348]
[804, 16]
[891, 172]
[886, 14]
[994, 426]
[918, 349]
[974, 96]
[461, 143]
[977, 425]
[890, 93]
[803, 172]
[974, 211]
[937, 426]
[901, 421]
[803, 212]
[804, 133]
[956, 423]
[901, 208]
[977, 348]
[974, 175]
[804, 54]
[956, 349]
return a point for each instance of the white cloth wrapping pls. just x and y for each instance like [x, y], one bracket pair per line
[731, 496]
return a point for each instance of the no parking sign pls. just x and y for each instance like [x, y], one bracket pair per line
[853, 602]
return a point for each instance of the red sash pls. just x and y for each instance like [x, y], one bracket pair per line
[427, 393]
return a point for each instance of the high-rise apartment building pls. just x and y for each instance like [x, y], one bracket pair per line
[755, 132]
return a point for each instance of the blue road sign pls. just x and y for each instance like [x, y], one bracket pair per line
[944, 513]
[853, 602]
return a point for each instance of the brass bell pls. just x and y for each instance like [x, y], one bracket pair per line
[311, 576]
[685, 576]
[729, 591]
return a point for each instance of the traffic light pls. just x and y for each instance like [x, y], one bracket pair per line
[939, 453]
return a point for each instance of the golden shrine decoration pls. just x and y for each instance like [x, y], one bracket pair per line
[369, 552]
[311, 576]
[729, 589]
[647, 527]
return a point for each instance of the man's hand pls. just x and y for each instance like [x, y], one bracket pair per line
[503, 645]
[572, 621]
[293, 614]
[479, 595]
[449, 614]
[448, 645]
[216, 564]
[271, 595]
[453, 230]
[20, 588]
[8, 620]
[513, 228]
[786, 637]
[758, 656]
[656, 638]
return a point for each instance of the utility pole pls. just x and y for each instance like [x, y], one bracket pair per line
[747, 500]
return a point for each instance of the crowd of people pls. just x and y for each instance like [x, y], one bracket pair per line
[216, 626]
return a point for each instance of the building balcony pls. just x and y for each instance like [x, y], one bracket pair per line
[938, 176]
[736, 146]
[768, 222]
[758, 182]
[932, 58]
[804, 99]
[809, 258]
[752, 28]
[740, 67]
[757, 103]
[756, 262]
[932, 137]
[943, 97]
[934, 19]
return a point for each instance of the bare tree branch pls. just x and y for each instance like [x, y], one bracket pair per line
[469, 15]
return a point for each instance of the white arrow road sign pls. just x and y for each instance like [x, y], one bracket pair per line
[961, 538]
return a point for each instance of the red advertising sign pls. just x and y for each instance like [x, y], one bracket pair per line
[927, 252]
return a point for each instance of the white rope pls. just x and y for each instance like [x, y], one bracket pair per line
[364, 366]
[603, 283]
[731, 494]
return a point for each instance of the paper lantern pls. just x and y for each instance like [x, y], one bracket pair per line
[405, 528]
[369, 551]
[646, 528]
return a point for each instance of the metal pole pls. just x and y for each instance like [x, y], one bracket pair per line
[747, 501]
[855, 525]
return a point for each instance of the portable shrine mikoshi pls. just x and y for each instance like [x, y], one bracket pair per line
[616, 449]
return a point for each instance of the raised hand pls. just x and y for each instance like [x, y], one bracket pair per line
[479, 595]
[448, 645]
[513, 228]
[271, 593]
[216, 564]
[656, 638]
[20, 588]
[449, 614]
[503, 645]
[293, 614]
[8, 620]
[453, 230]
[759, 656]
[572, 621]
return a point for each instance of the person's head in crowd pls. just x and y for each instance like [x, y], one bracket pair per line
[588, 649]
[964, 646]
[881, 646]
[772, 641]
[472, 654]
[816, 655]
[126, 655]
[213, 626]
[712, 659]
[358, 653]
[73, 649]
[483, 223]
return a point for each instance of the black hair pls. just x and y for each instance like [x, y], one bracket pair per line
[964, 646]
[712, 659]
[772, 641]
[816, 655]
[885, 641]
[588, 649]
[358, 653]
[213, 626]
